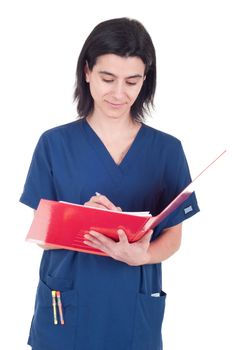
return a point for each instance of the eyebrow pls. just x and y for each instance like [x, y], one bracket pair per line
[113, 75]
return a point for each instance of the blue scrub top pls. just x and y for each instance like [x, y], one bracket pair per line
[107, 304]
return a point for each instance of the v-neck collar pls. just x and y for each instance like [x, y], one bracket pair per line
[103, 152]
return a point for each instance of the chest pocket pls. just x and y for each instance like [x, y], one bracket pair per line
[44, 333]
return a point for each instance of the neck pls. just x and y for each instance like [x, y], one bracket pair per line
[112, 127]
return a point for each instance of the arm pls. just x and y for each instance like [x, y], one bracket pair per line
[165, 245]
[141, 252]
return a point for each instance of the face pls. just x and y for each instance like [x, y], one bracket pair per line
[115, 83]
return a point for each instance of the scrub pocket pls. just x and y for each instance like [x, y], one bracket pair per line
[148, 322]
[44, 334]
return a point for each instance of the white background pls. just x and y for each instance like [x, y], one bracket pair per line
[40, 42]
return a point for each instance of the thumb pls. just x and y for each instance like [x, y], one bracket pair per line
[122, 236]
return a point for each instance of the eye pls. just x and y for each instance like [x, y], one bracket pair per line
[129, 83]
[107, 80]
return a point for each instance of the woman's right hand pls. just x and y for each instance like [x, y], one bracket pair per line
[101, 201]
[98, 201]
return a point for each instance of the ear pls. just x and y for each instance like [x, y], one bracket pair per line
[87, 72]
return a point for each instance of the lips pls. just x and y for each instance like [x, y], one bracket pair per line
[115, 105]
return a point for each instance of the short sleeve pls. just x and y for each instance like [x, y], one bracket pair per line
[39, 182]
[176, 178]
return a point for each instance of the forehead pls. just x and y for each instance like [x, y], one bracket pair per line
[118, 65]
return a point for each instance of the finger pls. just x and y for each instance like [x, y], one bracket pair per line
[92, 241]
[99, 241]
[94, 205]
[98, 237]
[103, 200]
[122, 236]
[96, 245]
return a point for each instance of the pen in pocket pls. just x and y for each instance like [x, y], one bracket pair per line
[54, 307]
[56, 301]
[60, 307]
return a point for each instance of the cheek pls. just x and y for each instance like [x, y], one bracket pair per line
[98, 90]
[134, 93]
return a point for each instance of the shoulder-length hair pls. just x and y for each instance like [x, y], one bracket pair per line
[126, 38]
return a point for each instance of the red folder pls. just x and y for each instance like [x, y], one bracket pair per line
[63, 224]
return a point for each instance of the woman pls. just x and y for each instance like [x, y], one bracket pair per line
[113, 302]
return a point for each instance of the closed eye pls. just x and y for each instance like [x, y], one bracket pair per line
[129, 83]
[108, 80]
[112, 80]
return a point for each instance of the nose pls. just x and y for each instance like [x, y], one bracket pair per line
[118, 90]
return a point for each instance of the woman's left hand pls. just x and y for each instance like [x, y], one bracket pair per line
[133, 254]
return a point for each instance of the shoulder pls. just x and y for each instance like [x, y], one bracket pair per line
[60, 137]
[169, 154]
[162, 140]
[65, 130]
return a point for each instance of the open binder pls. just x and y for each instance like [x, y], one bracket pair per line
[63, 224]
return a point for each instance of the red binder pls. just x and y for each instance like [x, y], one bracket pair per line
[63, 224]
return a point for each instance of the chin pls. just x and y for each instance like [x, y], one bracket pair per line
[117, 114]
